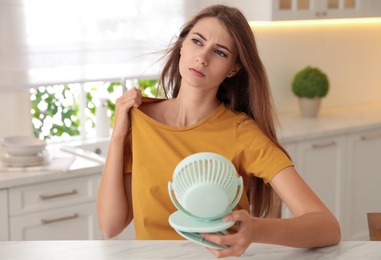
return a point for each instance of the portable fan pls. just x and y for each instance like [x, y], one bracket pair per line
[205, 188]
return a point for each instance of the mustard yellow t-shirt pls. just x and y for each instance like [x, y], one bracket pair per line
[158, 148]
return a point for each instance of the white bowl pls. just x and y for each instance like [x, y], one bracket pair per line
[23, 145]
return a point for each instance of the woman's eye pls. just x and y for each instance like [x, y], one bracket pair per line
[221, 53]
[196, 41]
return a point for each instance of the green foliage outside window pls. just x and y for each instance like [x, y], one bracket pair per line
[56, 110]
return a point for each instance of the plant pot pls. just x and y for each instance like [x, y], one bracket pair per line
[309, 107]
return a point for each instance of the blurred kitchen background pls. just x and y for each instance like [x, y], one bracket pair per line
[44, 43]
[63, 64]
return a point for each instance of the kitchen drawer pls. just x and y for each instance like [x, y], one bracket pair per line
[50, 195]
[78, 222]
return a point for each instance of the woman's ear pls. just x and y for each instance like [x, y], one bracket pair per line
[234, 71]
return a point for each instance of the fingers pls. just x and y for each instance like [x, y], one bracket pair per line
[237, 216]
[136, 96]
[237, 243]
[132, 98]
[233, 249]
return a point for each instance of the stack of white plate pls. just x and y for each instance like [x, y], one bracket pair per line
[23, 151]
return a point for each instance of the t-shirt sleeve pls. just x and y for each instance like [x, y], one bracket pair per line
[258, 154]
[127, 162]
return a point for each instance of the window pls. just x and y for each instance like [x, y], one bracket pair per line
[75, 51]
[50, 42]
[60, 112]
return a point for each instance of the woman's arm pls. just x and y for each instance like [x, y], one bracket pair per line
[313, 225]
[114, 195]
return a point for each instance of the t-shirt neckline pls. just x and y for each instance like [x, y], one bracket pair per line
[209, 117]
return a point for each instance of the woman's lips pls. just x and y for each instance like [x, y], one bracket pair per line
[197, 73]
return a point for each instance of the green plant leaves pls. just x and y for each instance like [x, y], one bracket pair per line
[310, 83]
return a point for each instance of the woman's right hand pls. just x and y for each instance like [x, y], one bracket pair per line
[132, 98]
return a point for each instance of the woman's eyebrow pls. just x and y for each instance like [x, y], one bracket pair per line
[219, 45]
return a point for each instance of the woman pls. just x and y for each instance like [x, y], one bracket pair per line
[218, 100]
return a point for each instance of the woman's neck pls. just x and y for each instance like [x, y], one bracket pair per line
[190, 108]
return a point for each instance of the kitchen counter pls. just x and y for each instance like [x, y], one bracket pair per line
[164, 249]
[333, 121]
[77, 166]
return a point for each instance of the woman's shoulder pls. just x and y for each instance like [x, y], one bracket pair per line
[244, 124]
[154, 107]
[147, 101]
[149, 104]
[239, 117]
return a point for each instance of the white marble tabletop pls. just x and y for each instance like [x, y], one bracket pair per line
[180, 249]
[331, 121]
[78, 166]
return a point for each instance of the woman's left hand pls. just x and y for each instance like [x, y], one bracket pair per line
[237, 243]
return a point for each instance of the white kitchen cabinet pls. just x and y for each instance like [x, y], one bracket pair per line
[316, 9]
[78, 222]
[50, 195]
[372, 8]
[63, 209]
[321, 163]
[4, 225]
[345, 172]
[271, 10]
[363, 193]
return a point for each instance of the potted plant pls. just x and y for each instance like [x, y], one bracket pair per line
[310, 85]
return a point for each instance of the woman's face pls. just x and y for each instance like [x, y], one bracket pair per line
[208, 55]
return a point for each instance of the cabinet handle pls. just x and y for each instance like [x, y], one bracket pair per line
[49, 221]
[324, 145]
[371, 136]
[48, 197]
[321, 14]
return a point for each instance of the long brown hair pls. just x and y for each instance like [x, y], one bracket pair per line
[248, 91]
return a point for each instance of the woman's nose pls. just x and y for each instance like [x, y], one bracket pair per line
[202, 57]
